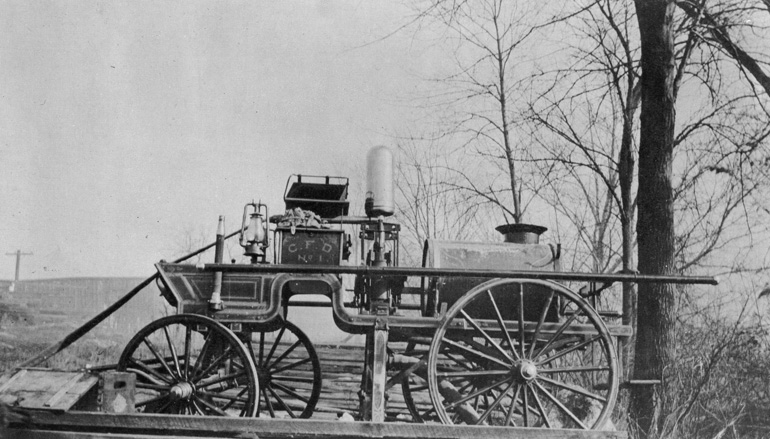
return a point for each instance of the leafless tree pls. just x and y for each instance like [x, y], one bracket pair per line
[429, 203]
[707, 170]
[485, 88]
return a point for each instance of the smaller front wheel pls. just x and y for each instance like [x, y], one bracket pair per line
[414, 387]
[289, 371]
[189, 364]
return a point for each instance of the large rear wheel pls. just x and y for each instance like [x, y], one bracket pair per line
[525, 353]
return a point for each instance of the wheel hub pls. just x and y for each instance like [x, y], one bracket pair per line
[183, 390]
[524, 371]
[263, 375]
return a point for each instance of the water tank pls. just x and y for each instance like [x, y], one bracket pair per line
[379, 182]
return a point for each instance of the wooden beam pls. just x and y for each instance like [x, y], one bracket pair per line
[88, 425]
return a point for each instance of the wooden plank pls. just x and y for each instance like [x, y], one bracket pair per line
[42, 434]
[17, 376]
[47, 388]
[65, 389]
[70, 424]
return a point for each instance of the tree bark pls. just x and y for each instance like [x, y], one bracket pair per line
[655, 348]
[626, 178]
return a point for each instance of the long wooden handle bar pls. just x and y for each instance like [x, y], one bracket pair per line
[438, 272]
[89, 325]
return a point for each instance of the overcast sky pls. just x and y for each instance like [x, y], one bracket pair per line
[124, 123]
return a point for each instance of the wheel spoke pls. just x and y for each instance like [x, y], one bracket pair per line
[574, 369]
[261, 348]
[187, 350]
[465, 387]
[275, 344]
[210, 406]
[514, 399]
[541, 409]
[148, 370]
[148, 386]
[164, 407]
[285, 353]
[501, 322]
[477, 373]
[151, 380]
[157, 355]
[202, 354]
[558, 333]
[485, 335]
[457, 361]
[474, 352]
[493, 406]
[198, 408]
[525, 406]
[540, 322]
[293, 365]
[268, 403]
[561, 406]
[160, 397]
[521, 319]
[289, 391]
[293, 379]
[231, 398]
[574, 389]
[172, 349]
[570, 349]
[283, 404]
[472, 395]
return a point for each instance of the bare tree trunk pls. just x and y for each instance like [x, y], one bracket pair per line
[626, 177]
[655, 347]
[503, 100]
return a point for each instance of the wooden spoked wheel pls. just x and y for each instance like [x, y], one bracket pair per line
[526, 353]
[414, 387]
[191, 365]
[289, 372]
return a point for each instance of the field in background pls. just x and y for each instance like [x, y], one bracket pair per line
[38, 313]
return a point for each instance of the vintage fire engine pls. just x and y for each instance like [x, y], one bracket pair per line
[483, 333]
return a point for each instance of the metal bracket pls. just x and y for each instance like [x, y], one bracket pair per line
[381, 324]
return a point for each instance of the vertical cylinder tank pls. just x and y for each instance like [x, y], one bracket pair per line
[379, 182]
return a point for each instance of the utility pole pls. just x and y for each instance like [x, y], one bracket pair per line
[18, 255]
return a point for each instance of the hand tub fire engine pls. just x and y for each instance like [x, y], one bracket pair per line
[484, 333]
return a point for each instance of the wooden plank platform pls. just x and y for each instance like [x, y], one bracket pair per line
[59, 390]
[342, 368]
[83, 425]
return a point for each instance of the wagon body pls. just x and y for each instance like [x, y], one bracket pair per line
[524, 314]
